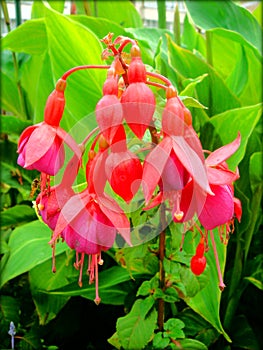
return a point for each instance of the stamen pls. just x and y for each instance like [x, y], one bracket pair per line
[54, 257]
[81, 263]
[178, 213]
[97, 298]
[221, 282]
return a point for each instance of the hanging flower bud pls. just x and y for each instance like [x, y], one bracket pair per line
[198, 261]
[124, 173]
[109, 113]
[55, 104]
[138, 100]
[176, 117]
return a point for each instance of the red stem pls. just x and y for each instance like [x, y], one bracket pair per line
[75, 69]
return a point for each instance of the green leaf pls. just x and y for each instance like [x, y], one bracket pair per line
[173, 328]
[112, 287]
[257, 283]
[9, 310]
[241, 120]
[192, 344]
[123, 12]
[191, 39]
[17, 215]
[255, 170]
[136, 329]
[212, 90]
[22, 40]
[238, 64]
[99, 26]
[28, 247]
[64, 37]
[243, 334]
[114, 341]
[11, 124]
[159, 342]
[228, 15]
[9, 95]
[40, 277]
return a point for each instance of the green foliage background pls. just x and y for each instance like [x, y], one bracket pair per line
[217, 70]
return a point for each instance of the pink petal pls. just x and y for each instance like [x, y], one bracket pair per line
[191, 161]
[154, 165]
[116, 215]
[70, 210]
[39, 143]
[218, 176]
[69, 141]
[223, 153]
[218, 209]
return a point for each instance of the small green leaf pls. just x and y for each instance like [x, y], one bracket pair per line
[114, 341]
[136, 329]
[159, 342]
[173, 328]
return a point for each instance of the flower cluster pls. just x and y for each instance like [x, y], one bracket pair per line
[174, 172]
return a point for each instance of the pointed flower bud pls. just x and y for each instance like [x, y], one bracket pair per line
[55, 104]
[109, 113]
[138, 100]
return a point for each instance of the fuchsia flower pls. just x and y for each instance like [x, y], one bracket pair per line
[50, 200]
[40, 146]
[220, 208]
[90, 220]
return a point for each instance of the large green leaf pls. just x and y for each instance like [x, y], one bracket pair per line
[11, 124]
[241, 120]
[28, 247]
[212, 91]
[40, 277]
[122, 12]
[9, 95]
[84, 88]
[228, 15]
[239, 64]
[112, 286]
[100, 26]
[29, 37]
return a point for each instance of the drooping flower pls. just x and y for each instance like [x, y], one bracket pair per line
[50, 200]
[219, 209]
[40, 146]
[138, 100]
[182, 163]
